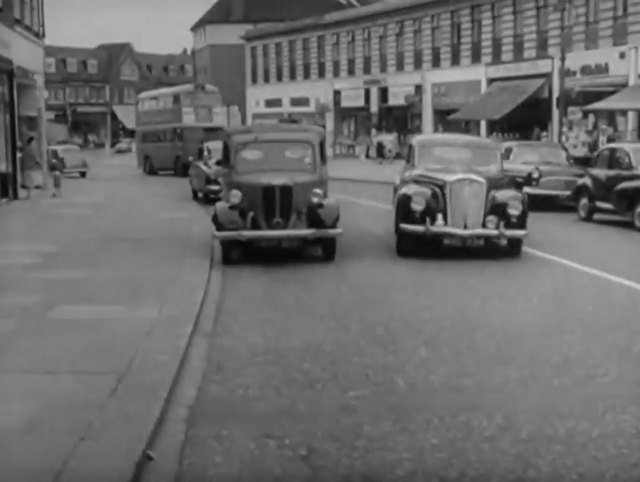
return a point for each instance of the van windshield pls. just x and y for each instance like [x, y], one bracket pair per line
[275, 156]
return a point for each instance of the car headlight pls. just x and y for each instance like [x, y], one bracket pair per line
[235, 197]
[317, 196]
[535, 175]
[514, 207]
[418, 202]
[190, 158]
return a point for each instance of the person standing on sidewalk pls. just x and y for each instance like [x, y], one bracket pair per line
[55, 169]
[29, 164]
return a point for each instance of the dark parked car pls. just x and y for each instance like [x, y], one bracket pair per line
[204, 175]
[453, 191]
[544, 170]
[275, 190]
[612, 184]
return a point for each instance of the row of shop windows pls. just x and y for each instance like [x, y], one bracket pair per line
[543, 10]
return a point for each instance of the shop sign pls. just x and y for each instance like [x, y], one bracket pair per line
[352, 98]
[273, 103]
[520, 69]
[299, 102]
[398, 95]
[453, 95]
[374, 82]
[608, 62]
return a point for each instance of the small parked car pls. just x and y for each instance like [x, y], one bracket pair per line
[70, 157]
[453, 190]
[611, 184]
[275, 191]
[544, 170]
[123, 146]
[204, 175]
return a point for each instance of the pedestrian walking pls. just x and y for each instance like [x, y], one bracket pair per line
[55, 169]
[29, 163]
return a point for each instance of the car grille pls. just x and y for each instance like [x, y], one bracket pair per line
[277, 206]
[466, 198]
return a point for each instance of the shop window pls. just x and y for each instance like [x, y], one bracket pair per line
[542, 28]
[279, 61]
[436, 41]
[71, 94]
[50, 65]
[382, 51]
[266, 65]
[335, 54]
[476, 34]
[273, 103]
[518, 29]
[399, 37]
[592, 34]
[351, 54]
[293, 60]
[71, 65]
[417, 44]
[496, 32]
[366, 51]
[253, 53]
[306, 58]
[456, 37]
[322, 56]
[620, 14]
[92, 66]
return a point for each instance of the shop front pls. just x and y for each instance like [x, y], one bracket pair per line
[353, 120]
[449, 97]
[517, 102]
[8, 155]
[400, 111]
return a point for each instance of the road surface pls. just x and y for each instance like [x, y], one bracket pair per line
[461, 368]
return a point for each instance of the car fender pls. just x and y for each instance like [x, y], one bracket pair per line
[625, 192]
[325, 215]
[225, 218]
[583, 183]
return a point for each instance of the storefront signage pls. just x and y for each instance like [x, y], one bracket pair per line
[299, 102]
[520, 69]
[608, 62]
[398, 95]
[273, 103]
[352, 98]
[374, 82]
[453, 95]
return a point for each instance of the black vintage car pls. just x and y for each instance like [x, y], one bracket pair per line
[275, 190]
[544, 170]
[612, 184]
[453, 191]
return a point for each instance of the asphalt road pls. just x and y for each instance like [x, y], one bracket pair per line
[466, 367]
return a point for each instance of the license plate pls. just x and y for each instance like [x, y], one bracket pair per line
[463, 242]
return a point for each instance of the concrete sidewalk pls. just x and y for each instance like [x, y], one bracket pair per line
[368, 170]
[98, 295]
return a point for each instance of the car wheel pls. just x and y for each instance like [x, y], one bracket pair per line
[329, 249]
[585, 207]
[635, 219]
[194, 194]
[405, 244]
[514, 247]
[83, 174]
[232, 252]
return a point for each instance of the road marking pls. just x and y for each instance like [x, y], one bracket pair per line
[540, 254]
[71, 211]
[88, 312]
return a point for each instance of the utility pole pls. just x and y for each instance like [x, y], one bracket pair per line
[563, 6]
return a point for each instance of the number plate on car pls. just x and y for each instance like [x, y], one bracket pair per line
[464, 242]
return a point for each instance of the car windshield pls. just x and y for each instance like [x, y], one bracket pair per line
[275, 156]
[539, 155]
[70, 153]
[449, 155]
[213, 149]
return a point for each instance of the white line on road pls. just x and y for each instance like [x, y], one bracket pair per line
[540, 254]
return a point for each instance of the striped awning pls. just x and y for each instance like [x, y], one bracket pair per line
[628, 99]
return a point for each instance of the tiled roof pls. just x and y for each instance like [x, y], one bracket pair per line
[157, 64]
[264, 11]
[373, 9]
[81, 55]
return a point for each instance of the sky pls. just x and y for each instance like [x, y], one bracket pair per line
[155, 26]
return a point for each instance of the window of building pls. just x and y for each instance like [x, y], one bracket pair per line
[173, 70]
[306, 58]
[188, 70]
[59, 93]
[71, 94]
[253, 55]
[50, 65]
[518, 29]
[293, 59]
[366, 51]
[322, 56]
[620, 14]
[35, 21]
[129, 95]
[92, 66]
[592, 19]
[436, 41]
[72, 65]
[417, 44]
[279, 62]
[382, 50]
[542, 28]
[351, 54]
[476, 34]
[335, 54]
[27, 19]
[101, 92]
[266, 65]
[17, 9]
[41, 16]
[496, 32]
[399, 38]
[456, 36]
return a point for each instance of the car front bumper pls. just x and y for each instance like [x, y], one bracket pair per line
[447, 231]
[548, 193]
[276, 234]
[212, 190]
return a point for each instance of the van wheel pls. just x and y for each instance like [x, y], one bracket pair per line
[147, 167]
[635, 219]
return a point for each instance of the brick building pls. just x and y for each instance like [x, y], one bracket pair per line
[21, 85]
[219, 53]
[91, 92]
[413, 64]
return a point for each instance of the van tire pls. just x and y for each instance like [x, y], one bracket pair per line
[147, 167]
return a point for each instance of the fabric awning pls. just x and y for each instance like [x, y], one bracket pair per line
[126, 114]
[499, 99]
[625, 100]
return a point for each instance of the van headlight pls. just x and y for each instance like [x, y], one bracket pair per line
[235, 197]
[514, 207]
[317, 196]
[418, 202]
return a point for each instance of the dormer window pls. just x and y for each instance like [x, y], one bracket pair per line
[150, 69]
[165, 69]
[50, 65]
[188, 70]
[173, 70]
[92, 66]
[72, 65]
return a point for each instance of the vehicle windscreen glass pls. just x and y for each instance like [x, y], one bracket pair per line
[70, 154]
[539, 155]
[213, 149]
[275, 156]
[457, 156]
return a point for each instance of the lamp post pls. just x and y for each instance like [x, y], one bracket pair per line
[562, 7]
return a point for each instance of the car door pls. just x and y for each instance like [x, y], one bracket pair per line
[622, 169]
[599, 173]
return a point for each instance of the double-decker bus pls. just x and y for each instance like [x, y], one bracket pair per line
[173, 122]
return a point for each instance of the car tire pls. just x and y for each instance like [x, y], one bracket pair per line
[585, 207]
[329, 249]
[405, 245]
[83, 174]
[514, 247]
[635, 215]
[195, 195]
[232, 252]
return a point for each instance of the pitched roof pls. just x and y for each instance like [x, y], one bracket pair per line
[80, 54]
[157, 64]
[263, 11]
